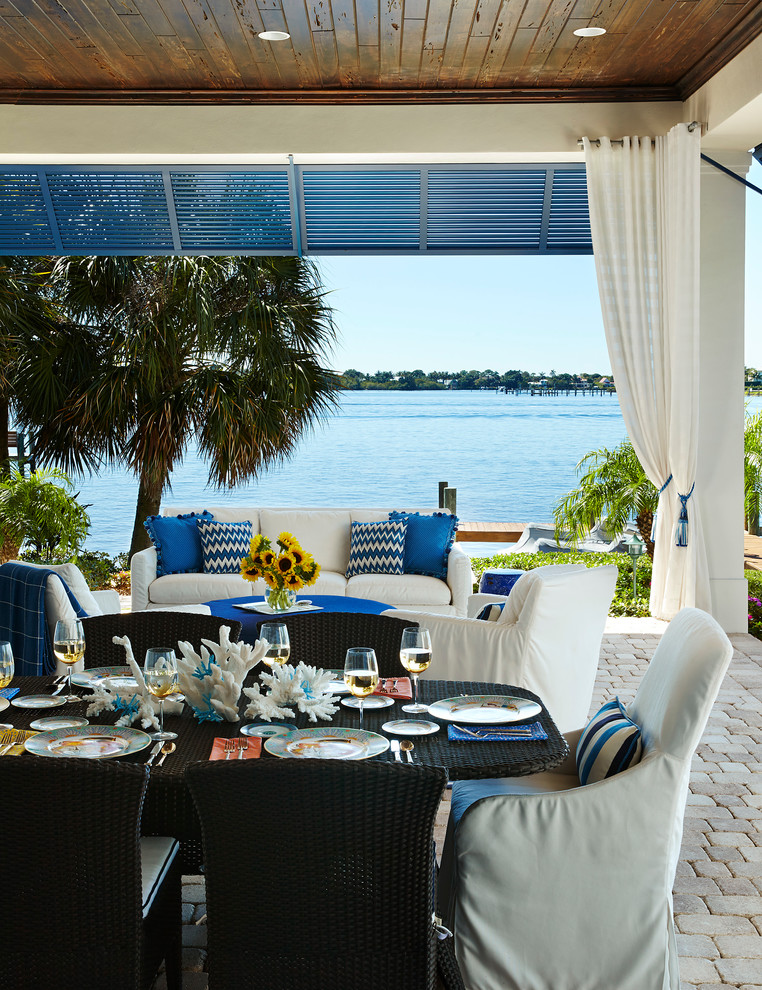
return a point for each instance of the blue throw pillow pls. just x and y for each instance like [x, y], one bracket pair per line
[377, 548]
[492, 612]
[428, 541]
[224, 545]
[610, 743]
[177, 542]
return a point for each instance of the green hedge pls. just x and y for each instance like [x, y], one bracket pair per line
[624, 602]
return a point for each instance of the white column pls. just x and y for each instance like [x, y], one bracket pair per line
[721, 401]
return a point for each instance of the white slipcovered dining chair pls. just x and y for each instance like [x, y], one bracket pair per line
[547, 638]
[552, 885]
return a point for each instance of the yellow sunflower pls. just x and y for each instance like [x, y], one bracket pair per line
[256, 543]
[268, 558]
[293, 581]
[285, 563]
[249, 570]
[270, 580]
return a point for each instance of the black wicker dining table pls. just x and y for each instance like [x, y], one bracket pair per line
[169, 809]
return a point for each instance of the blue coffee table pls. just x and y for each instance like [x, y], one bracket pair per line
[251, 621]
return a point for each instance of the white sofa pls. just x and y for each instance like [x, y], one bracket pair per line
[323, 532]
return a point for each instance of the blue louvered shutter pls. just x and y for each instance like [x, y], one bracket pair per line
[569, 227]
[359, 210]
[483, 209]
[24, 225]
[233, 211]
[120, 211]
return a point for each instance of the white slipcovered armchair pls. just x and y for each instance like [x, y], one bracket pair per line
[551, 885]
[547, 639]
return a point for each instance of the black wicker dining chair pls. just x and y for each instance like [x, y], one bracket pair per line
[319, 873]
[323, 638]
[86, 903]
[154, 627]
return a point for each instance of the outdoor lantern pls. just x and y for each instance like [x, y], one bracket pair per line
[635, 548]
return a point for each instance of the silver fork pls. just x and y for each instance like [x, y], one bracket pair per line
[229, 747]
[243, 745]
[7, 741]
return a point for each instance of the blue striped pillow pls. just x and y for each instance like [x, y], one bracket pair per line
[492, 612]
[377, 548]
[223, 545]
[610, 743]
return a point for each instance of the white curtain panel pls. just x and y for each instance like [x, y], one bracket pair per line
[644, 216]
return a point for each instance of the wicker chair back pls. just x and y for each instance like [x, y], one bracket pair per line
[319, 873]
[160, 627]
[323, 638]
[71, 907]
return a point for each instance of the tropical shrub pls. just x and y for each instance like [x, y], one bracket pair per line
[624, 602]
[39, 514]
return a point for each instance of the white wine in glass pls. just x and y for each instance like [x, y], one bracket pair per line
[275, 634]
[69, 647]
[7, 666]
[415, 656]
[160, 675]
[361, 674]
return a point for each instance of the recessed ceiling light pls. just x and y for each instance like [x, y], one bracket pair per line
[274, 35]
[590, 32]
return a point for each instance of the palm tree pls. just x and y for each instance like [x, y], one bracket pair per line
[24, 312]
[613, 488]
[161, 352]
[752, 470]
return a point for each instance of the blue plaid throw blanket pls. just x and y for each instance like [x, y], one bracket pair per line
[22, 617]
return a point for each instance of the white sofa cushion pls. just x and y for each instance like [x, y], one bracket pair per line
[323, 533]
[399, 589]
[174, 589]
[75, 580]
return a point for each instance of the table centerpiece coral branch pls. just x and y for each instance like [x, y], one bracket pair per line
[303, 686]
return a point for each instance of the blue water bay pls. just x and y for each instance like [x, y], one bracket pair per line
[509, 456]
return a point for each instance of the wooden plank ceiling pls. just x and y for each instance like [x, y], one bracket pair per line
[208, 51]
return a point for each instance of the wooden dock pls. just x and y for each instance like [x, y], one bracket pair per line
[489, 532]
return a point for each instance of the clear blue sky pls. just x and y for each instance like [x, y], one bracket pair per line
[451, 313]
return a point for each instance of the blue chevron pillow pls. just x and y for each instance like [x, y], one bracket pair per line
[223, 545]
[377, 548]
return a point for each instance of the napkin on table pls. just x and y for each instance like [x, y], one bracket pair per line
[18, 748]
[496, 733]
[9, 692]
[398, 688]
[218, 749]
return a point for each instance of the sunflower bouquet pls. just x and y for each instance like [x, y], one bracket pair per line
[284, 571]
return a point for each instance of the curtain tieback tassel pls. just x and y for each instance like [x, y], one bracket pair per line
[681, 537]
[663, 489]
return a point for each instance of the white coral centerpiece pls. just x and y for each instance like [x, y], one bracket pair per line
[303, 686]
[135, 704]
[212, 682]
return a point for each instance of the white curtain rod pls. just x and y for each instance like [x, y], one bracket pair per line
[596, 141]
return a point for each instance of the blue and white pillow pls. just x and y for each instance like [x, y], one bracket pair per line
[377, 548]
[492, 611]
[177, 542]
[610, 743]
[224, 544]
[428, 542]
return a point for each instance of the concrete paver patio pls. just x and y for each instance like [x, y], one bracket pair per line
[718, 888]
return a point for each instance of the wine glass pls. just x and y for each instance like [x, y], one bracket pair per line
[275, 634]
[7, 667]
[160, 675]
[360, 674]
[69, 647]
[415, 655]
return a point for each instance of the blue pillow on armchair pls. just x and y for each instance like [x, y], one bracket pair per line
[428, 541]
[178, 542]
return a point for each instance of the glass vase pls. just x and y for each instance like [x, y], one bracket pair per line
[280, 599]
